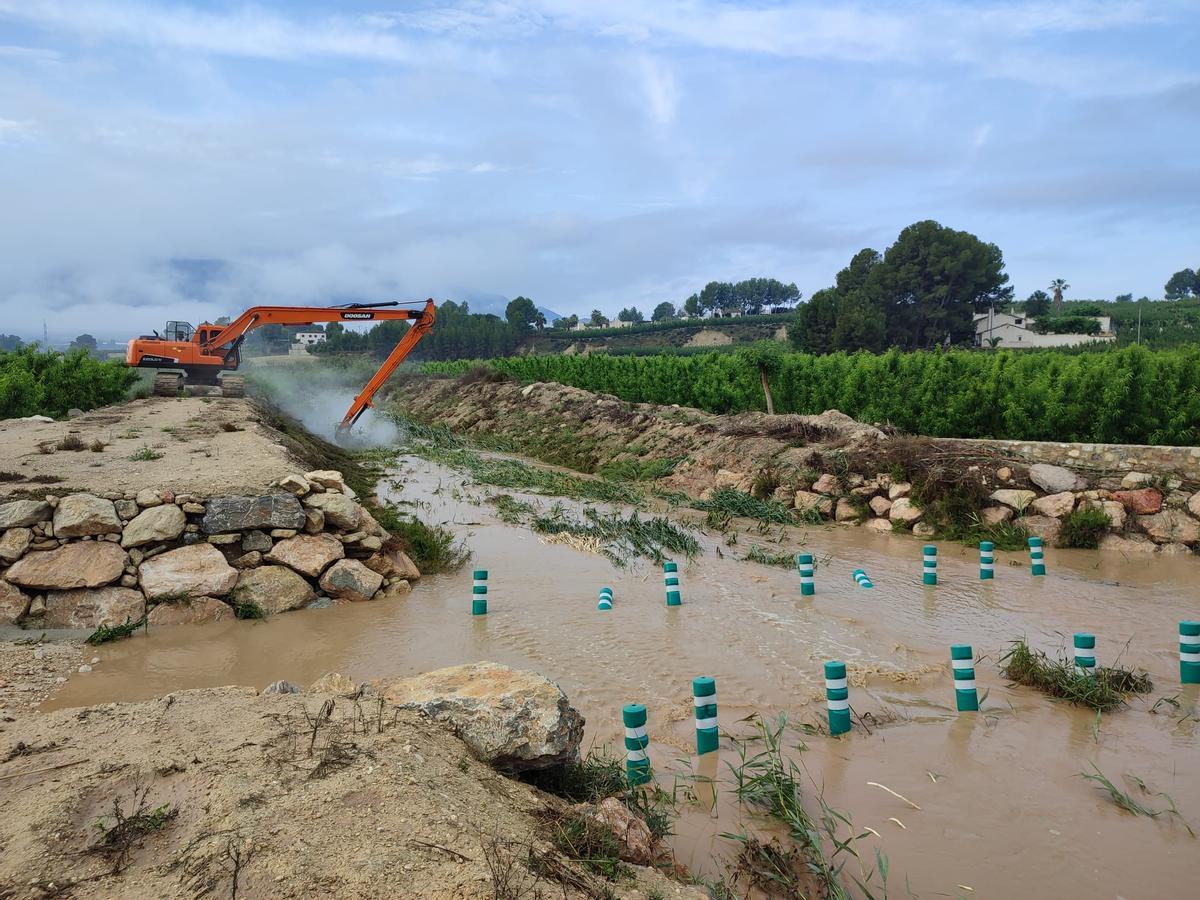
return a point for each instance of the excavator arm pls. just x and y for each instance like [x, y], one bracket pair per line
[234, 333]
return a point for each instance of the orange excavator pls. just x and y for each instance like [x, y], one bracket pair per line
[209, 353]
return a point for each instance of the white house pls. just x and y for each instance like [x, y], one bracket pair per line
[308, 338]
[1013, 332]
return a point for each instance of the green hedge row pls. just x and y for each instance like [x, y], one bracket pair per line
[48, 384]
[1131, 395]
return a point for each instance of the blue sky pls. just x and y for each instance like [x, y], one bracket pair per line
[586, 154]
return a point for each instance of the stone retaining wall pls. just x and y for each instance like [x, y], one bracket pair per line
[85, 561]
[1106, 463]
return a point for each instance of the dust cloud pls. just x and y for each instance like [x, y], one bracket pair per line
[318, 398]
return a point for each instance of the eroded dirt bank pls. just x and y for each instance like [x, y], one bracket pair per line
[226, 792]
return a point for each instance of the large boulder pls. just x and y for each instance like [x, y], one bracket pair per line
[91, 608]
[82, 564]
[881, 506]
[1054, 505]
[1045, 527]
[84, 515]
[809, 500]
[391, 562]
[340, 511]
[1171, 526]
[1143, 502]
[13, 544]
[274, 589]
[517, 721]
[905, 511]
[21, 513]
[845, 511]
[827, 484]
[1134, 480]
[350, 580]
[196, 611]
[1193, 504]
[879, 526]
[326, 478]
[14, 603]
[1126, 544]
[199, 570]
[995, 515]
[1055, 479]
[278, 510]
[154, 525]
[1013, 498]
[308, 554]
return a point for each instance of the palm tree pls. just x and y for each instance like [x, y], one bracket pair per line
[1058, 285]
[539, 321]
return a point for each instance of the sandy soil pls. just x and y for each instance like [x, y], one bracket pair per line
[198, 454]
[246, 799]
[30, 672]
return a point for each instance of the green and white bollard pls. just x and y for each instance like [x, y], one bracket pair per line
[1189, 652]
[808, 584]
[987, 561]
[479, 593]
[929, 571]
[637, 763]
[1037, 557]
[837, 697]
[962, 662]
[671, 580]
[605, 598]
[1085, 654]
[704, 695]
[861, 579]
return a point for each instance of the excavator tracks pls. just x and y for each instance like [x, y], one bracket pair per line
[168, 384]
[233, 386]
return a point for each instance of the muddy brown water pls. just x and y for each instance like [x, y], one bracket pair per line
[1002, 806]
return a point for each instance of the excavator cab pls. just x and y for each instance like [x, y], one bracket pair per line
[179, 331]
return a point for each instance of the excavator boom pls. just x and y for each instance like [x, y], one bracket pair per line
[213, 349]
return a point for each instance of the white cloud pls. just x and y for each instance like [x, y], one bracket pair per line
[659, 91]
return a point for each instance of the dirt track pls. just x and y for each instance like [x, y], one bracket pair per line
[203, 445]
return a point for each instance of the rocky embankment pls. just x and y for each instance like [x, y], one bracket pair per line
[391, 789]
[825, 467]
[86, 560]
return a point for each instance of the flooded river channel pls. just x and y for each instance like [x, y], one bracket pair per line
[1003, 809]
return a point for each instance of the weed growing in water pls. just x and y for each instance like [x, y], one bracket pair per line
[106, 633]
[767, 558]
[1083, 528]
[770, 782]
[639, 469]
[431, 547]
[726, 503]
[1127, 803]
[621, 537]
[1059, 678]
[511, 510]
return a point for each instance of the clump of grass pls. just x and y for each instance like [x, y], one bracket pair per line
[591, 843]
[97, 446]
[589, 780]
[432, 548]
[71, 442]
[632, 469]
[121, 832]
[511, 510]
[1083, 528]
[248, 610]
[230, 426]
[726, 503]
[765, 483]
[1127, 803]
[769, 868]
[145, 454]
[1104, 691]
[106, 633]
[622, 537]
[11, 476]
[767, 558]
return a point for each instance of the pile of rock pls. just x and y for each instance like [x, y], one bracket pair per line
[82, 560]
[1146, 514]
